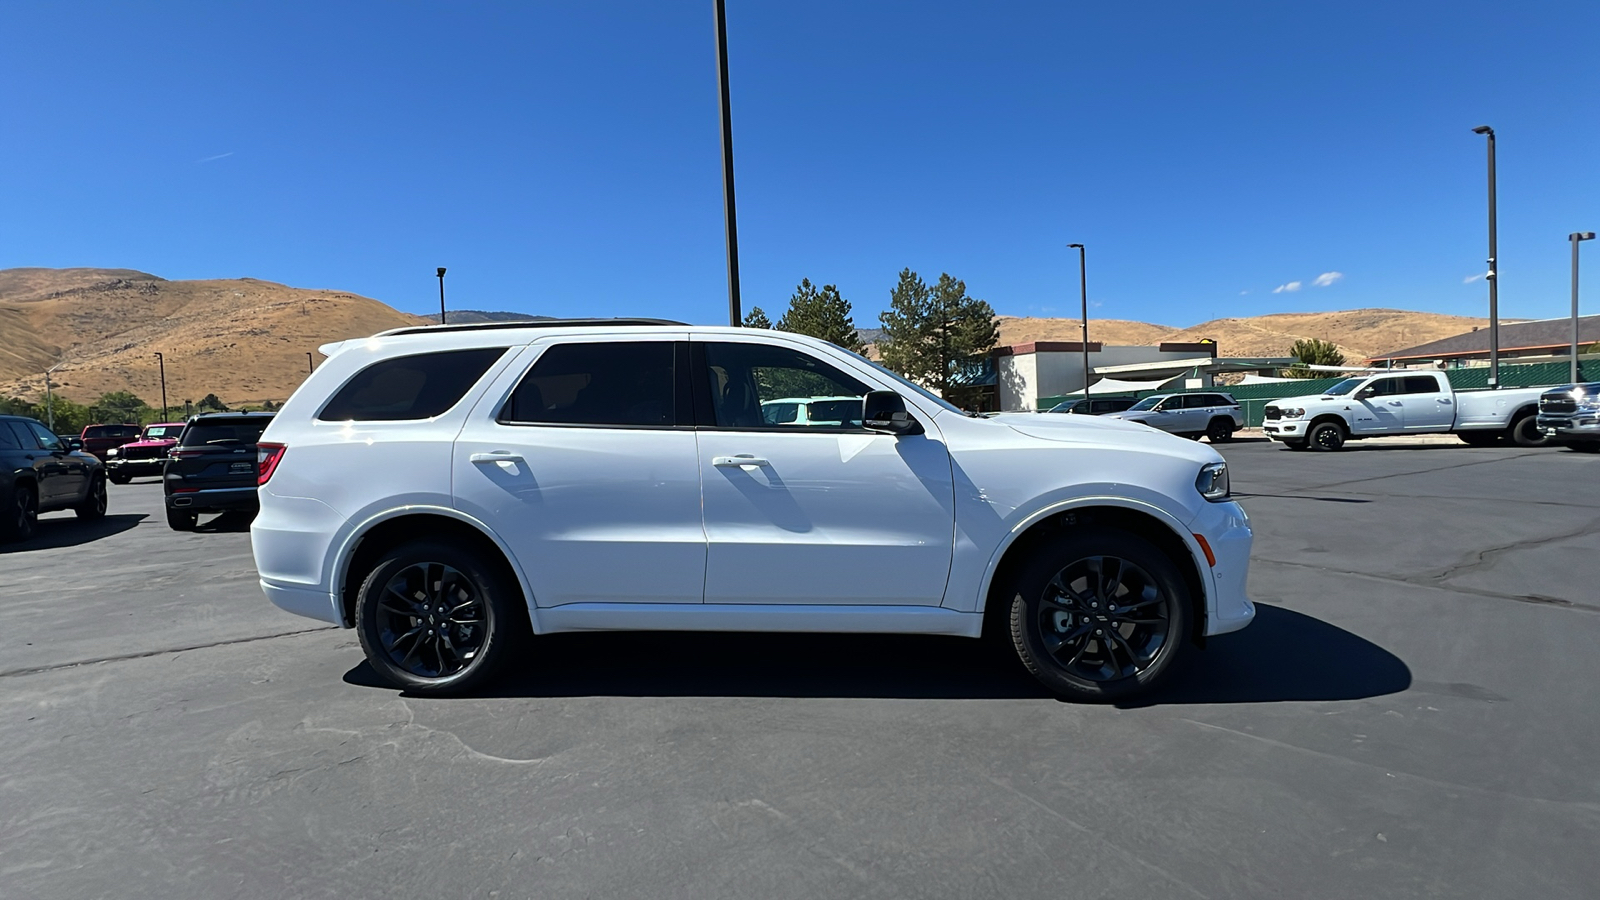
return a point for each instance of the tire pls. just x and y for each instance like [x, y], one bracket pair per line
[1326, 436]
[1295, 445]
[1480, 438]
[1220, 430]
[182, 519]
[117, 478]
[400, 633]
[93, 507]
[1586, 446]
[1524, 432]
[21, 514]
[1060, 641]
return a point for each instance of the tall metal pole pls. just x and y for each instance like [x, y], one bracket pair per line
[49, 403]
[728, 207]
[311, 366]
[1575, 237]
[161, 361]
[441, 295]
[1494, 271]
[1083, 291]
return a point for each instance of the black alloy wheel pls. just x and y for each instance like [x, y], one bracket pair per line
[1525, 432]
[1220, 430]
[93, 507]
[1099, 616]
[1327, 436]
[182, 519]
[434, 618]
[22, 519]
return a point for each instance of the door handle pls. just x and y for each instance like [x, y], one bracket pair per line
[1395, 403]
[738, 462]
[497, 456]
[1444, 399]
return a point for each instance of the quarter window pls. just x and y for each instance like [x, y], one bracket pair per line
[409, 387]
[625, 383]
[757, 386]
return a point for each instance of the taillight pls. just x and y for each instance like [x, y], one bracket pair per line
[267, 458]
[177, 453]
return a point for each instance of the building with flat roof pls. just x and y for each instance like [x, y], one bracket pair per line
[1537, 341]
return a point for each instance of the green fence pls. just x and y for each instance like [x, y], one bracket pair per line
[1255, 397]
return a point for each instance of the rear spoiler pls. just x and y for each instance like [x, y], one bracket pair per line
[335, 347]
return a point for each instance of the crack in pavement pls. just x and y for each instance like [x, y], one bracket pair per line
[1483, 556]
[34, 670]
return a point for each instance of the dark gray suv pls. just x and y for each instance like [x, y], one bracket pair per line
[39, 473]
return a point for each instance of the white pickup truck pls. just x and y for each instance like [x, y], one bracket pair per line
[1403, 403]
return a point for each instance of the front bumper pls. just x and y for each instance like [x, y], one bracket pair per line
[1285, 429]
[215, 499]
[1580, 426]
[135, 468]
[1226, 529]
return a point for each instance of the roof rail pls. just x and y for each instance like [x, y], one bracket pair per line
[528, 323]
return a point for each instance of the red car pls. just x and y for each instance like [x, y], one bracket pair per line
[145, 456]
[97, 439]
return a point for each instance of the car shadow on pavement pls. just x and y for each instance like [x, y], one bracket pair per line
[1283, 655]
[68, 531]
[226, 523]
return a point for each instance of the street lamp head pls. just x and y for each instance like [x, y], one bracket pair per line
[1483, 129]
[1581, 236]
[441, 271]
[1075, 246]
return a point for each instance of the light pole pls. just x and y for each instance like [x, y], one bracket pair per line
[441, 296]
[49, 402]
[310, 366]
[162, 362]
[1083, 291]
[1494, 272]
[734, 317]
[1575, 238]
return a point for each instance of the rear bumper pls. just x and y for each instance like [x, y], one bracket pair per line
[215, 499]
[313, 604]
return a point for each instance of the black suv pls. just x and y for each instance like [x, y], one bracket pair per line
[213, 467]
[40, 472]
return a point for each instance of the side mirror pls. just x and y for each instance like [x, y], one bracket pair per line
[74, 444]
[885, 412]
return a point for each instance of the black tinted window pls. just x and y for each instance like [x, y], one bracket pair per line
[1196, 401]
[409, 387]
[1386, 387]
[749, 383]
[1421, 384]
[223, 432]
[622, 383]
[46, 439]
[8, 438]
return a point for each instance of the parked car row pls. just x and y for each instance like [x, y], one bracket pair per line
[207, 464]
[1215, 416]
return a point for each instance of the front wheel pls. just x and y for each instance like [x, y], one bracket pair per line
[1586, 446]
[22, 519]
[1327, 436]
[1220, 430]
[436, 618]
[93, 507]
[1294, 445]
[182, 519]
[1525, 432]
[118, 478]
[1479, 438]
[1099, 616]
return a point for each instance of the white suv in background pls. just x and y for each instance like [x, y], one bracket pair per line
[452, 491]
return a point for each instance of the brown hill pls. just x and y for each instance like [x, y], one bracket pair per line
[242, 339]
[1016, 330]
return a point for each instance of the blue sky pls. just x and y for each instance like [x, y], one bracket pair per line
[563, 158]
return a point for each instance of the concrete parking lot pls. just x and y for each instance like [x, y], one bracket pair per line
[1413, 714]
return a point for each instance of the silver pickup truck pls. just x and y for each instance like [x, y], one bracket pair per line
[1570, 415]
[1403, 403]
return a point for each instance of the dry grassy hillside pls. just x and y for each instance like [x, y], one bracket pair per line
[242, 339]
[1015, 330]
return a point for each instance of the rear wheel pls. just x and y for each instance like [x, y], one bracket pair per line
[1220, 430]
[1099, 616]
[1479, 438]
[93, 507]
[437, 618]
[1327, 436]
[1295, 445]
[1587, 446]
[1525, 432]
[118, 478]
[22, 516]
[182, 519]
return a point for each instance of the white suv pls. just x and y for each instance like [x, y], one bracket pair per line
[452, 491]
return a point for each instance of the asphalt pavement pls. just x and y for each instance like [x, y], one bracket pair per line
[1411, 715]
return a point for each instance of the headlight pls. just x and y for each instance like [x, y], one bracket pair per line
[112, 452]
[1213, 481]
[1292, 412]
[1589, 406]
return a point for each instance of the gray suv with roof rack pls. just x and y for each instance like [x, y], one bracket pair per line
[1200, 414]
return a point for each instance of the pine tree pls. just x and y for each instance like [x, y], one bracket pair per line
[928, 333]
[823, 313]
[756, 318]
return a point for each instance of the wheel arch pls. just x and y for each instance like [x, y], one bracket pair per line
[1150, 522]
[361, 550]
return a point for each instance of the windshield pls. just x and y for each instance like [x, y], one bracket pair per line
[163, 432]
[920, 391]
[1345, 386]
[1146, 403]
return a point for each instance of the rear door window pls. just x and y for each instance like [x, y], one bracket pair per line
[1421, 384]
[603, 383]
[410, 387]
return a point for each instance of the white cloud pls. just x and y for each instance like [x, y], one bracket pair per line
[1471, 278]
[1290, 287]
[215, 158]
[1242, 293]
[1327, 278]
